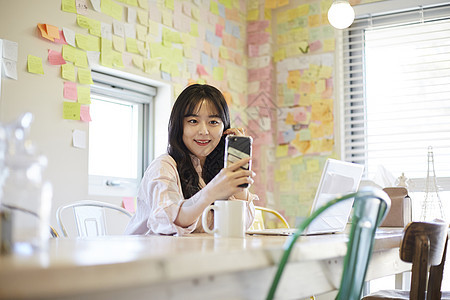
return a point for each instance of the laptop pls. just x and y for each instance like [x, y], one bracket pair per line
[338, 178]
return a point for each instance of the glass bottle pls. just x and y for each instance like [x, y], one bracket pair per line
[25, 193]
[432, 204]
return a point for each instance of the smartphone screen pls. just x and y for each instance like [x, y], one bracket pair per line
[236, 148]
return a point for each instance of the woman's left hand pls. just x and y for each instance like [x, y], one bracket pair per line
[235, 131]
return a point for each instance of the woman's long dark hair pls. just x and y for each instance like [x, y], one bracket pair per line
[185, 105]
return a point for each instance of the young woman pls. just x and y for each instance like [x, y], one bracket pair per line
[178, 186]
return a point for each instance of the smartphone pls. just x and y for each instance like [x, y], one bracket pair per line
[236, 148]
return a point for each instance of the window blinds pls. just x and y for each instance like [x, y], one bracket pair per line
[396, 89]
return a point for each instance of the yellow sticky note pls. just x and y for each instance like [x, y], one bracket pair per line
[71, 110]
[84, 76]
[106, 58]
[141, 32]
[81, 59]
[35, 65]
[167, 17]
[95, 28]
[170, 4]
[214, 8]
[312, 165]
[279, 55]
[270, 4]
[116, 11]
[68, 6]
[151, 66]
[84, 94]
[194, 29]
[83, 21]
[132, 45]
[142, 16]
[138, 61]
[118, 43]
[253, 15]
[117, 59]
[282, 150]
[68, 72]
[218, 73]
[69, 53]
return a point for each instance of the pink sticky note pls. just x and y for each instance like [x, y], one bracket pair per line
[62, 39]
[70, 90]
[219, 30]
[85, 116]
[253, 50]
[201, 70]
[55, 57]
[128, 204]
[314, 46]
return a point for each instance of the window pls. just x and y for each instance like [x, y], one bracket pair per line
[397, 93]
[120, 135]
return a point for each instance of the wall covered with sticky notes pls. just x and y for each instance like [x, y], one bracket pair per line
[272, 59]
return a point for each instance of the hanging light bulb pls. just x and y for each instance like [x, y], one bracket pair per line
[341, 14]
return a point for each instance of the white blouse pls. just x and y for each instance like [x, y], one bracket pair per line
[160, 198]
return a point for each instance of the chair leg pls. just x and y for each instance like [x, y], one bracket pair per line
[419, 269]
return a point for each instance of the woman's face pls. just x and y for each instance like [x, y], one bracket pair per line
[202, 130]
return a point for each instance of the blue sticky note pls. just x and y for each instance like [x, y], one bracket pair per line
[204, 59]
[221, 10]
[228, 27]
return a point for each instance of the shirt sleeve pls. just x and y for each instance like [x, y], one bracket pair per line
[159, 201]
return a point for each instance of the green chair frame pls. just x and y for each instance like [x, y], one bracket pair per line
[369, 209]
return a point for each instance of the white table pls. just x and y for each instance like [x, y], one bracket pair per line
[196, 266]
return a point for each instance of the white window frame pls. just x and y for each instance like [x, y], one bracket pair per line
[129, 92]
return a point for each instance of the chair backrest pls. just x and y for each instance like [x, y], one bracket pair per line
[370, 207]
[424, 244]
[259, 223]
[89, 216]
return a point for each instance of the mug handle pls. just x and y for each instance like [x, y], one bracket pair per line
[205, 221]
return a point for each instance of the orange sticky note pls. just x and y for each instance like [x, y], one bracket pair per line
[52, 31]
[44, 34]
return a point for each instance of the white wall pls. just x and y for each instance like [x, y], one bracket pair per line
[43, 96]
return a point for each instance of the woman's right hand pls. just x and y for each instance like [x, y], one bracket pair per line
[226, 182]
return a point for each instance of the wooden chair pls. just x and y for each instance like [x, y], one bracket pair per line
[90, 217]
[424, 244]
[369, 209]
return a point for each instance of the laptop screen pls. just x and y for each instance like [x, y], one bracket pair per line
[338, 178]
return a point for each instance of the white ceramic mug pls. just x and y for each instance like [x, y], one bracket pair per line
[229, 218]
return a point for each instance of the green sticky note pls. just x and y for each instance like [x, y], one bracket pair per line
[35, 65]
[71, 111]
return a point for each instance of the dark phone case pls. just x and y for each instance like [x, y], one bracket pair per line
[236, 148]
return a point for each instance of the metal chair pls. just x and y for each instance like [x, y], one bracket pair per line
[424, 244]
[90, 217]
[258, 223]
[369, 209]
